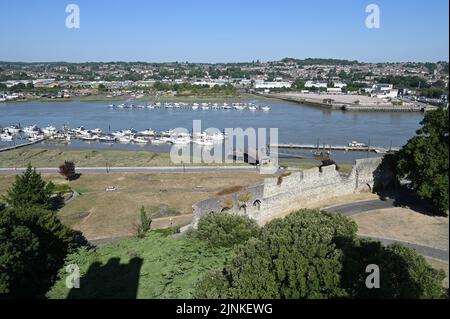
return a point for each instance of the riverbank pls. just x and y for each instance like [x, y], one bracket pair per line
[146, 98]
[348, 102]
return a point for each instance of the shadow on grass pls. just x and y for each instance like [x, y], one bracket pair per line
[112, 280]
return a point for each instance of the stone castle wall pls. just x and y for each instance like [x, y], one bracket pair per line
[277, 194]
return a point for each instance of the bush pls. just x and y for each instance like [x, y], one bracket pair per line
[33, 246]
[29, 189]
[145, 223]
[424, 160]
[316, 255]
[68, 170]
[226, 230]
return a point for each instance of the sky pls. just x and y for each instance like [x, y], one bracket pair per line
[223, 31]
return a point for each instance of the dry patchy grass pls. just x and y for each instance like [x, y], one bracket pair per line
[407, 225]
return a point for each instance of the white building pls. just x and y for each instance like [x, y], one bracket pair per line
[382, 87]
[210, 83]
[334, 90]
[312, 84]
[392, 93]
[259, 84]
[339, 85]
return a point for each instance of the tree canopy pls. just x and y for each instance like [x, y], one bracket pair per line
[226, 230]
[424, 160]
[29, 189]
[33, 242]
[317, 255]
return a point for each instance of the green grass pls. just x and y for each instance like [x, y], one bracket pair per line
[40, 157]
[152, 267]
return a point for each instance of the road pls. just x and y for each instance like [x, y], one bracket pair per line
[371, 205]
[154, 169]
[360, 207]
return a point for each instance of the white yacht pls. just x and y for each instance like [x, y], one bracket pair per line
[182, 140]
[265, 108]
[107, 138]
[124, 139]
[31, 130]
[6, 137]
[49, 130]
[13, 129]
[129, 132]
[35, 137]
[118, 133]
[147, 132]
[140, 140]
[90, 137]
[96, 131]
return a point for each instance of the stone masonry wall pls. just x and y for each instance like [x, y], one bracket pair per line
[277, 194]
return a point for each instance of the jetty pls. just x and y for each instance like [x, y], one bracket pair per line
[374, 149]
[13, 147]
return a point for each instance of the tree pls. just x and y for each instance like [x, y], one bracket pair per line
[294, 257]
[68, 170]
[33, 246]
[226, 230]
[145, 223]
[424, 160]
[28, 190]
[317, 255]
[299, 84]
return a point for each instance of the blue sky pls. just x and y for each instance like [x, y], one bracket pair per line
[223, 31]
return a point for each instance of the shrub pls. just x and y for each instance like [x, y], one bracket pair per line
[226, 230]
[145, 223]
[68, 170]
[29, 189]
[33, 246]
[310, 254]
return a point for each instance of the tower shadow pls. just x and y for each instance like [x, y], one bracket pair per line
[112, 280]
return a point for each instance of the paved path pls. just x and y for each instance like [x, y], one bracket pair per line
[423, 250]
[371, 205]
[153, 169]
[360, 207]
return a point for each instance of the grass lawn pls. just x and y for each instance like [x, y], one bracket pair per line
[94, 158]
[152, 267]
[100, 214]
[54, 157]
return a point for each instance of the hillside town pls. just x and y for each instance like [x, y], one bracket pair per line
[424, 82]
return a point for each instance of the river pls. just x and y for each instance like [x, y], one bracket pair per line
[296, 123]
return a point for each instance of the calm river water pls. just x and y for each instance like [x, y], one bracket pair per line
[296, 123]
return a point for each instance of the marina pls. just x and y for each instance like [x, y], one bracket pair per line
[193, 106]
[98, 125]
